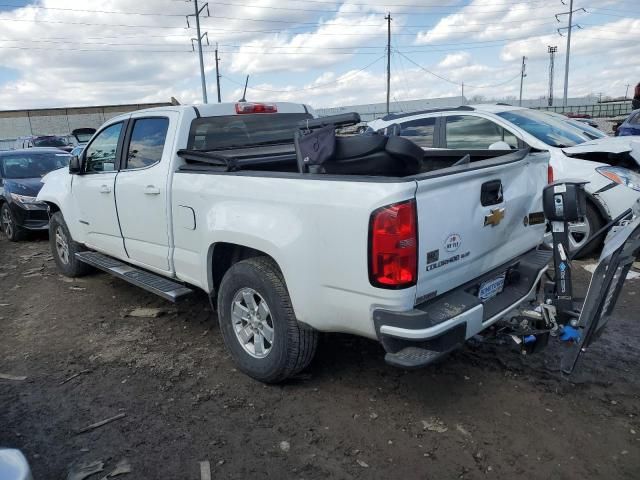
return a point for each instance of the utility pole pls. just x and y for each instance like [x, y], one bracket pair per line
[626, 92]
[199, 38]
[388, 19]
[568, 54]
[552, 54]
[522, 75]
[218, 74]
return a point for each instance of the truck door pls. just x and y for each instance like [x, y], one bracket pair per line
[93, 191]
[142, 189]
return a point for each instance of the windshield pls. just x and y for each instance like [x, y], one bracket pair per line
[587, 129]
[211, 133]
[27, 165]
[50, 142]
[552, 131]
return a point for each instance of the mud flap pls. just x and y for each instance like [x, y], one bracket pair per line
[620, 251]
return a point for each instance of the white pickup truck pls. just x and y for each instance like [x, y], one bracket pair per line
[419, 256]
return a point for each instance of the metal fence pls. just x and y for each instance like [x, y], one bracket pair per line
[598, 110]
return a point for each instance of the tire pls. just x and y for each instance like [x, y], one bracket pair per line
[59, 236]
[243, 290]
[8, 224]
[594, 222]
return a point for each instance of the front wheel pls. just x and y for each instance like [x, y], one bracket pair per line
[64, 249]
[258, 324]
[581, 231]
[8, 224]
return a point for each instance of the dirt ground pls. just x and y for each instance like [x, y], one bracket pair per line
[485, 412]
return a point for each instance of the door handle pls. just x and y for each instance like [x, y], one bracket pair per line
[491, 193]
[151, 190]
[105, 189]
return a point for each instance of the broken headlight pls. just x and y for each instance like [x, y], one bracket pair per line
[621, 176]
[30, 203]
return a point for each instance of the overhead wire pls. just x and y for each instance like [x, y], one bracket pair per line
[313, 87]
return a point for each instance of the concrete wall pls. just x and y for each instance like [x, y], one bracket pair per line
[58, 121]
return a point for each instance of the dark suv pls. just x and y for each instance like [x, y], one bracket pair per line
[48, 141]
[21, 172]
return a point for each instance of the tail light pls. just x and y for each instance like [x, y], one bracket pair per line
[549, 174]
[256, 108]
[393, 245]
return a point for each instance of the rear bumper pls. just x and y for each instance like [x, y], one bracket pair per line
[445, 322]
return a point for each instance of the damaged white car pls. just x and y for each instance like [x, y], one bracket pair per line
[574, 153]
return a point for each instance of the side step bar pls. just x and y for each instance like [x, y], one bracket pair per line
[167, 289]
[415, 357]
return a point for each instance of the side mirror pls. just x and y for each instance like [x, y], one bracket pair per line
[75, 165]
[500, 146]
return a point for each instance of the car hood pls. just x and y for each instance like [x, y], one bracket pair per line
[615, 145]
[23, 186]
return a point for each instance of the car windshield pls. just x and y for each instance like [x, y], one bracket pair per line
[50, 142]
[210, 133]
[552, 131]
[32, 165]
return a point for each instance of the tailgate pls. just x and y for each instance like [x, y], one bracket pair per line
[471, 219]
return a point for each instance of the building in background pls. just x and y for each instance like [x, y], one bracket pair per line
[58, 121]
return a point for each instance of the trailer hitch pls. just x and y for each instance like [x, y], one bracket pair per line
[577, 323]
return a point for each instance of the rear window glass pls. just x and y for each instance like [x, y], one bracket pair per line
[211, 133]
[50, 142]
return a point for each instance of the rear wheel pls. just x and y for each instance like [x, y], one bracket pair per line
[8, 224]
[64, 249]
[258, 324]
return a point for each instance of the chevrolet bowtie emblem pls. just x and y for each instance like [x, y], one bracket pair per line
[495, 217]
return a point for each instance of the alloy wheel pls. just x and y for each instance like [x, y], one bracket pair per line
[252, 322]
[7, 223]
[62, 245]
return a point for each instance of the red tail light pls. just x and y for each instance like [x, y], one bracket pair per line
[549, 174]
[393, 246]
[256, 108]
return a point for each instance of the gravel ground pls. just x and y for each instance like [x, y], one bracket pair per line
[485, 412]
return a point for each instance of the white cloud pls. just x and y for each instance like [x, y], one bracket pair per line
[44, 51]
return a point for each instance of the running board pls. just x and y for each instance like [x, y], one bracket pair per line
[165, 288]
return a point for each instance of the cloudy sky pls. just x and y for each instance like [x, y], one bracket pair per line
[322, 52]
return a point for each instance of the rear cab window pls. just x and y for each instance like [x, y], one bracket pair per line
[231, 131]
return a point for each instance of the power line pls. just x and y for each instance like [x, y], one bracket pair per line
[458, 83]
[320, 85]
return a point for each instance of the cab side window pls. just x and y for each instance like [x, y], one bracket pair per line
[147, 142]
[419, 131]
[101, 154]
[473, 133]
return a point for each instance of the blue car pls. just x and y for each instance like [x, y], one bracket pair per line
[20, 175]
[631, 126]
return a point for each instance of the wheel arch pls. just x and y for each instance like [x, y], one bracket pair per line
[223, 255]
[600, 208]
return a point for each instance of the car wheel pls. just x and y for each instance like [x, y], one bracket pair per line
[64, 249]
[581, 231]
[258, 323]
[8, 224]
